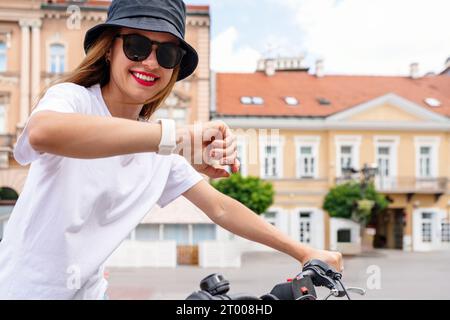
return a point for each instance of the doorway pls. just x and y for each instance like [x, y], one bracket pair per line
[389, 226]
[429, 229]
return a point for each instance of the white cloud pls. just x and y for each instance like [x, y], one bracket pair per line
[225, 57]
[281, 45]
[375, 37]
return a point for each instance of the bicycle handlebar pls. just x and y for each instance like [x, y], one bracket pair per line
[315, 273]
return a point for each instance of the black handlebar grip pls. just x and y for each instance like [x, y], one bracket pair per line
[215, 284]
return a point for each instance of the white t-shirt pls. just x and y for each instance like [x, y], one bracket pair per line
[73, 213]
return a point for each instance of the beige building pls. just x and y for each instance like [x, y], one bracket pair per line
[300, 130]
[41, 40]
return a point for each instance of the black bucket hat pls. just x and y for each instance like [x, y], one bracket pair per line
[150, 15]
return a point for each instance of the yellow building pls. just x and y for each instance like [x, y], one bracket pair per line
[300, 130]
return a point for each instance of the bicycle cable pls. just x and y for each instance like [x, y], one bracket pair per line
[342, 285]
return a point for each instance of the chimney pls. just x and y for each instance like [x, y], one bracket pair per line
[414, 70]
[319, 68]
[270, 67]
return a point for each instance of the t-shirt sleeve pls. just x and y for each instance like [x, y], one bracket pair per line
[60, 98]
[181, 178]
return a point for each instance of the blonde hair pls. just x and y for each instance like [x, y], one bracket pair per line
[95, 69]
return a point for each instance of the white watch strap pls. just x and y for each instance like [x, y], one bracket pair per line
[168, 141]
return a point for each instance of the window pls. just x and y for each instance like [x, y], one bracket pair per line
[346, 160]
[258, 100]
[307, 156]
[323, 101]
[384, 161]
[247, 100]
[203, 232]
[4, 159]
[432, 102]
[177, 232]
[344, 235]
[2, 56]
[427, 215]
[306, 162]
[161, 113]
[271, 157]
[445, 231]
[305, 227]
[271, 217]
[347, 153]
[425, 162]
[427, 157]
[147, 232]
[270, 161]
[57, 58]
[241, 149]
[179, 115]
[291, 101]
[426, 227]
[2, 119]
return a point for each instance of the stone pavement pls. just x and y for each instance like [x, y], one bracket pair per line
[385, 274]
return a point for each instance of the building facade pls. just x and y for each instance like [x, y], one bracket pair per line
[42, 40]
[301, 131]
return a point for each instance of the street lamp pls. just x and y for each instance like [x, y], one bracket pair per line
[369, 171]
[348, 172]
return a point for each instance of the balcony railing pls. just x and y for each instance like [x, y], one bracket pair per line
[6, 141]
[407, 184]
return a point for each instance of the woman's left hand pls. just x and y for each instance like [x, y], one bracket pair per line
[332, 258]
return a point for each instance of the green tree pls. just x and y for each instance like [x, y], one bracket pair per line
[353, 201]
[8, 194]
[252, 192]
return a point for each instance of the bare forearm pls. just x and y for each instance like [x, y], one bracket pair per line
[241, 221]
[235, 217]
[85, 136]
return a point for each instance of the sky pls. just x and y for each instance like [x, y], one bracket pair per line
[360, 37]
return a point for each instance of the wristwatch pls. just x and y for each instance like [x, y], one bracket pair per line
[168, 141]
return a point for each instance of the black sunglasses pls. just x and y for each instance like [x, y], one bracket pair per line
[138, 48]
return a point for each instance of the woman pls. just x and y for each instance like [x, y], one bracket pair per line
[96, 170]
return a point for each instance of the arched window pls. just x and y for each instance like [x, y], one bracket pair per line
[2, 56]
[57, 58]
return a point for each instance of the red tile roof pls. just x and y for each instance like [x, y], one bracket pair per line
[343, 92]
[197, 7]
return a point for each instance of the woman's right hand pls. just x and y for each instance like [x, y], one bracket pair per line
[208, 145]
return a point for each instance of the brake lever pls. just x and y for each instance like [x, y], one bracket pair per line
[333, 292]
[357, 290]
[324, 275]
